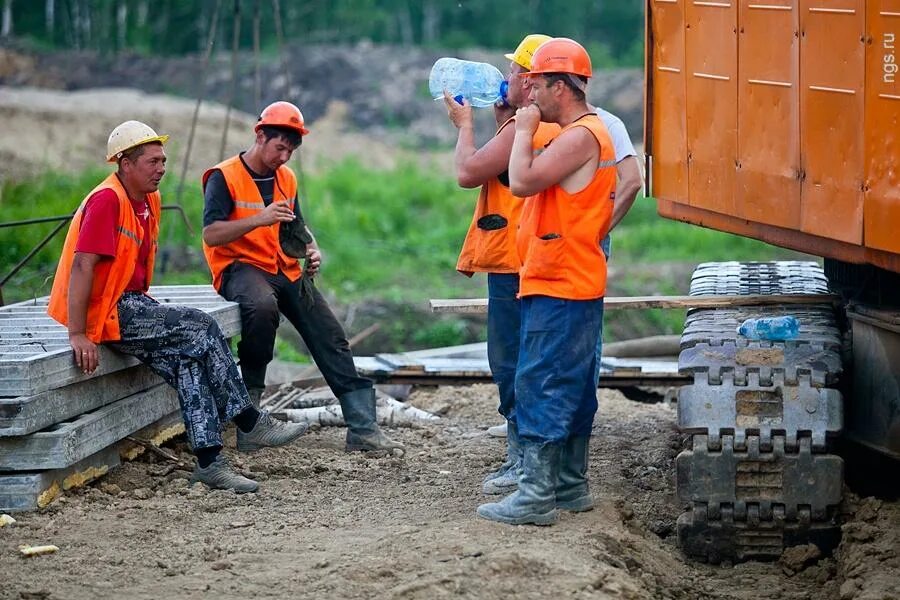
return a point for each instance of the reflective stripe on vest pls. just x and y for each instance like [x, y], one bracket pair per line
[560, 233]
[130, 234]
[111, 277]
[493, 250]
[259, 247]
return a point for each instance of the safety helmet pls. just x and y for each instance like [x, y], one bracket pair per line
[128, 135]
[561, 55]
[282, 114]
[525, 50]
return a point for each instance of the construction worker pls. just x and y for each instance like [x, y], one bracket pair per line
[628, 170]
[99, 294]
[253, 235]
[489, 246]
[570, 192]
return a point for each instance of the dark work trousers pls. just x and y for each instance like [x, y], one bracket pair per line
[262, 296]
[556, 390]
[186, 348]
[504, 320]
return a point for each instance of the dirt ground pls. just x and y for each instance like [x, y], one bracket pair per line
[326, 524]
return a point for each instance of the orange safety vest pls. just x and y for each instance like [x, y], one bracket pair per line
[259, 247]
[111, 277]
[494, 250]
[560, 233]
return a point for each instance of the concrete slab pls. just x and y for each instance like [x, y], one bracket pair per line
[65, 444]
[27, 414]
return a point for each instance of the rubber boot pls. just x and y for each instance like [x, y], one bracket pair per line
[363, 433]
[506, 478]
[572, 490]
[535, 500]
[255, 396]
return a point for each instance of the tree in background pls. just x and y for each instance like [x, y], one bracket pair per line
[611, 29]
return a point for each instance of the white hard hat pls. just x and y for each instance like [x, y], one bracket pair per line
[128, 135]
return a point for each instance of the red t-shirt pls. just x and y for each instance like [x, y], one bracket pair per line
[99, 231]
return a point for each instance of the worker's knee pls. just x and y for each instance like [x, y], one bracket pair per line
[261, 310]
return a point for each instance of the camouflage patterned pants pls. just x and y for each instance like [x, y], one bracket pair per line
[185, 347]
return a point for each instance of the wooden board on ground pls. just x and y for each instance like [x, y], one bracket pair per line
[67, 443]
[400, 361]
[42, 364]
[479, 305]
[435, 369]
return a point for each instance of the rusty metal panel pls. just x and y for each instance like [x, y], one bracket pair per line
[832, 70]
[711, 88]
[768, 174]
[882, 126]
[667, 98]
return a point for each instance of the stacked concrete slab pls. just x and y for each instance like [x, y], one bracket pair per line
[59, 427]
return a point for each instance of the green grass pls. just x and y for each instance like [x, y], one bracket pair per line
[388, 237]
[644, 236]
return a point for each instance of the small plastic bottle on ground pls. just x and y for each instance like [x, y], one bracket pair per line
[770, 328]
[481, 84]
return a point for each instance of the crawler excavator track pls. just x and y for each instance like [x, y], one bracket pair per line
[756, 475]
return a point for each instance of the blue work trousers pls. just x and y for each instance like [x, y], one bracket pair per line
[504, 321]
[556, 391]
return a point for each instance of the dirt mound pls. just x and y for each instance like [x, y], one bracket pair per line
[51, 129]
[381, 90]
[328, 524]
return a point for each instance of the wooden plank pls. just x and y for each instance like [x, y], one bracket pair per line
[463, 368]
[476, 350]
[400, 361]
[479, 305]
[67, 443]
[27, 414]
[30, 491]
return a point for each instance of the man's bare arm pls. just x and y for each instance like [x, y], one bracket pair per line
[81, 280]
[476, 166]
[629, 184]
[559, 163]
[219, 233]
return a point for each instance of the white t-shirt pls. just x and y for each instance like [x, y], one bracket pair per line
[620, 138]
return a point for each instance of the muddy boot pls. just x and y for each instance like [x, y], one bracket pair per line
[572, 491]
[506, 478]
[535, 500]
[220, 475]
[255, 396]
[269, 433]
[363, 433]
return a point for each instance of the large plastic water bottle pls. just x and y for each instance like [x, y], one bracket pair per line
[481, 84]
[770, 328]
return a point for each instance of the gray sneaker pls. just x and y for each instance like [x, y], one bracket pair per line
[268, 433]
[220, 475]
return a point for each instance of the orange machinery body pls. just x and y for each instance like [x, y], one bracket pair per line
[779, 120]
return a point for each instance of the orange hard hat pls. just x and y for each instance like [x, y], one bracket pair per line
[282, 114]
[561, 55]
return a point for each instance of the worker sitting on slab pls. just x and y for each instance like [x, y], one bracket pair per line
[100, 294]
[489, 246]
[253, 236]
[570, 190]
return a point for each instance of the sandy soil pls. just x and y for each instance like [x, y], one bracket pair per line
[330, 525]
[67, 131]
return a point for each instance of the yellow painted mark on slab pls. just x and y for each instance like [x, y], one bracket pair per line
[49, 495]
[80, 478]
